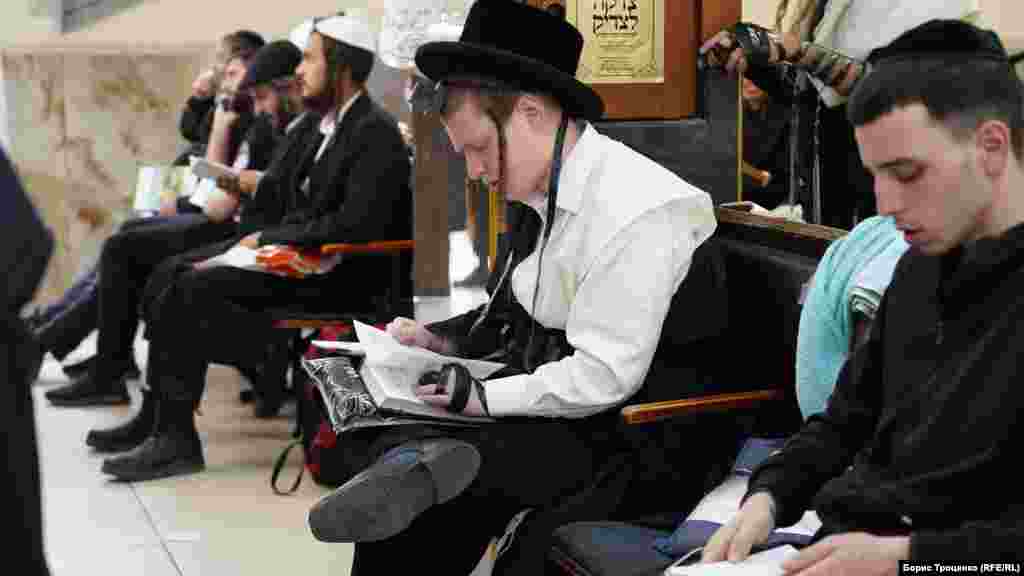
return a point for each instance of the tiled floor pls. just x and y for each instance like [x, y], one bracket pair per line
[223, 521]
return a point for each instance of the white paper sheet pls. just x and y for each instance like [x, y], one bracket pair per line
[383, 350]
[237, 257]
[767, 563]
[204, 168]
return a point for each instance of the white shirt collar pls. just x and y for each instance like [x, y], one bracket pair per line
[295, 122]
[332, 119]
[576, 169]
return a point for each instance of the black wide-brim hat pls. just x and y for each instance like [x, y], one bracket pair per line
[518, 45]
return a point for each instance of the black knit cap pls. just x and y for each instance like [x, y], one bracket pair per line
[942, 40]
[278, 59]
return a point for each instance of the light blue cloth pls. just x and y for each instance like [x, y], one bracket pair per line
[853, 274]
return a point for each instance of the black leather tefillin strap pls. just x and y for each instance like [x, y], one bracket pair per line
[556, 171]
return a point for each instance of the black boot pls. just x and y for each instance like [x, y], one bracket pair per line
[94, 388]
[76, 369]
[174, 449]
[269, 386]
[130, 434]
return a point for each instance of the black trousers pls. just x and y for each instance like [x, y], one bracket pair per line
[223, 315]
[127, 260]
[536, 463]
[76, 314]
[20, 490]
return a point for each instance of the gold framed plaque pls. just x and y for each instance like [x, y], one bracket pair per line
[624, 40]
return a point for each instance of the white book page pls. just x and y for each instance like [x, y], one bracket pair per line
[383, 350]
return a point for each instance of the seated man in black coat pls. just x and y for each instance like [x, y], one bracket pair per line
[915, 456]
[346, 182]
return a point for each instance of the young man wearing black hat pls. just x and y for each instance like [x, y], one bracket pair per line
[277, 101]
[915, 457]
[576, 310]
[346, 180]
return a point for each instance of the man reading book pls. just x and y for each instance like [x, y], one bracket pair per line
[578, 299]
[915, 456]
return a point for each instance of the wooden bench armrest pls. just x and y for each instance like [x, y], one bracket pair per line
[654, 411]
[382, 247]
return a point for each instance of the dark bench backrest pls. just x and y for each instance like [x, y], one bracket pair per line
[732, 324]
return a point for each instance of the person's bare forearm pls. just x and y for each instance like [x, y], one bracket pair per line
[219, 147]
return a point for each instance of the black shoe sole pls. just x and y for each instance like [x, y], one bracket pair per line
[101, 447]
[112, 399]
[372, 507]
[175, 468]
[81, 367]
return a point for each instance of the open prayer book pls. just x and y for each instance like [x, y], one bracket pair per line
[206, 174]
[391, 372]
[767, 563]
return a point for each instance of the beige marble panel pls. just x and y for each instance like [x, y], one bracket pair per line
[80, 123]
[122, 110]
[34, 85]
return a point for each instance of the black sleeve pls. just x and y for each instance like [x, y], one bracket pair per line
[28, 244]
[195, 121]
[267, 207]
[376, 190]
[186, 207]
[262, 141]
[827, 444]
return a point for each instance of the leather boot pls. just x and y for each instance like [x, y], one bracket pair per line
[174, 449]
[384, 499]
[130, 434]
[95, 388]
[269, 386]
[76, 369]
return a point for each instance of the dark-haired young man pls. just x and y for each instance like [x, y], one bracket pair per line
[915, 456]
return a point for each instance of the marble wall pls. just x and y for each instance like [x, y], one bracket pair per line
[79, 125]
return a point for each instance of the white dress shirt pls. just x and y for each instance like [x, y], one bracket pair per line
[624, 234]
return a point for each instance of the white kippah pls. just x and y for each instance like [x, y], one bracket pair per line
[349, 30]
[300, 34]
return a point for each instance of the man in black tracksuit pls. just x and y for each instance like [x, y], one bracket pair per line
[915, 456]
